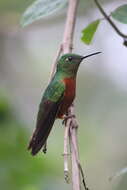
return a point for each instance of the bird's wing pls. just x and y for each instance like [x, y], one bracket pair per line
[46, 115]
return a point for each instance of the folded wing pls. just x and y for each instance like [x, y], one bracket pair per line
[48, 109]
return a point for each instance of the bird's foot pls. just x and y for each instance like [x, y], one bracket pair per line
[66, 117]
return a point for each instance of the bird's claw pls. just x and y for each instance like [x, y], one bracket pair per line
[66, 118]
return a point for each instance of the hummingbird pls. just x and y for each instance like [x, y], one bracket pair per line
[57, 98]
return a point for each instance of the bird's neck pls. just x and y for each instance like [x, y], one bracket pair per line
[63, 75]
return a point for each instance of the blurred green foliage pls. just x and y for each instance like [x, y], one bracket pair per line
[14, 5]
[120, 14]
[89, 31]
[18, 169]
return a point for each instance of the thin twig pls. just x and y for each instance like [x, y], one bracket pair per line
[76, 181]
[66, 154]
[109, 20]
[83, 176]
[76, 154]
[73, 143]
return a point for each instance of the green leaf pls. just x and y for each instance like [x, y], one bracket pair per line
[89, 31]
[118, 174]
[120, 14]
[40, 9]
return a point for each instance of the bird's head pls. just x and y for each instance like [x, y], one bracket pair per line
[69, 63]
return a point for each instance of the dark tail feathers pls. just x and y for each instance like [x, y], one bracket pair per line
[39, 139]
[45, 122]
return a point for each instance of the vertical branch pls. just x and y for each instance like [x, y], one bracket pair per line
[74, 152]
[69, 27]
[71, 123]
[71, 126]
[66, 154]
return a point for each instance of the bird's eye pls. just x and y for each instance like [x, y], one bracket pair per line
[69, 58]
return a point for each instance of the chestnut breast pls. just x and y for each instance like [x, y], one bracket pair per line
[69, 95]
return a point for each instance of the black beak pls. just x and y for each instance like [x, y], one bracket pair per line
[91, 55]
